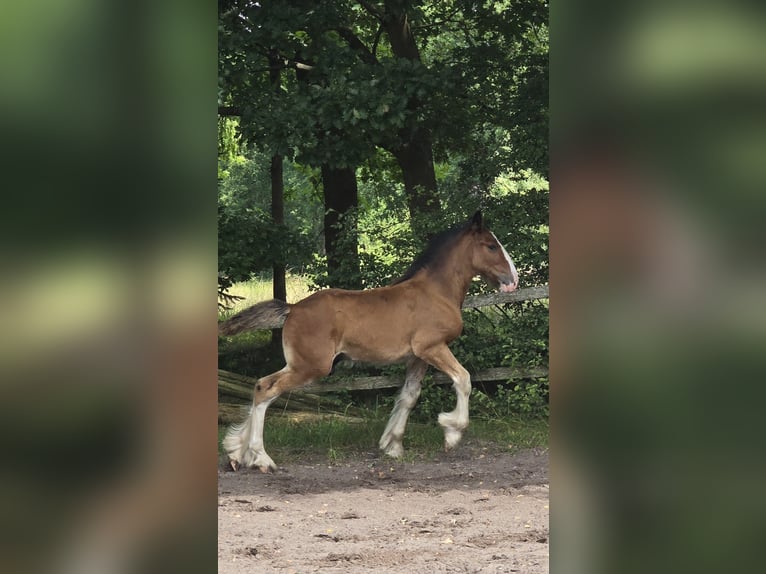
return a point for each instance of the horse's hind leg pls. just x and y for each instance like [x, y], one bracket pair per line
[244, 442]
[391, 441]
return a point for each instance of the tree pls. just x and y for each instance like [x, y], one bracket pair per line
[355, 101]
[251, 33]
[456, 81]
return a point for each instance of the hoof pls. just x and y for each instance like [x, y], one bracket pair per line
[451, 438]
[233, 466]
[259, 460]
[394, 450]
[391, 445]
[453, 429]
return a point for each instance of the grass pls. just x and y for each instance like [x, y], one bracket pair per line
[335, 439]
[261, 289]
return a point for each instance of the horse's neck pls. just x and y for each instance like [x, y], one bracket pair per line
[452, 277]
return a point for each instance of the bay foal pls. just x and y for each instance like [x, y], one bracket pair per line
[411, 321]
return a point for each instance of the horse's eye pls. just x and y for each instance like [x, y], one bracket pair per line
[492, 247]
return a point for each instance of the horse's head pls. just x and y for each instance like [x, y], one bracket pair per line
[489, 257]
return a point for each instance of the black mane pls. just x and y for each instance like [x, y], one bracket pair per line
[433, 251]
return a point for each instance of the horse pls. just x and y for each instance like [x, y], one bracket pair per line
[409, 321]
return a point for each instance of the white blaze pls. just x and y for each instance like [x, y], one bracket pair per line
[514, 273]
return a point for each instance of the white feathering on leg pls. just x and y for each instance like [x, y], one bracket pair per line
[237, 437]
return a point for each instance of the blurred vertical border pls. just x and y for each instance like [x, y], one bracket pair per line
[658, 286]
[108, 392]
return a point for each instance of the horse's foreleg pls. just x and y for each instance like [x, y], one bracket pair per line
[391, 441]
[453, 422]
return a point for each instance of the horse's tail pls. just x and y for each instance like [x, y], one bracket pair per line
[266, 315]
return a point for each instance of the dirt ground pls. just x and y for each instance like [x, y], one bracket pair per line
[472, 510]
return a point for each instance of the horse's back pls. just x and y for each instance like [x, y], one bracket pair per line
[340, 310]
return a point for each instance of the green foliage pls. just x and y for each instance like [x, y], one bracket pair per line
[516, 208]
[342, 94]
[504, 401]
[248, 240]
[529, 400]
[318, 83]
[501, 98]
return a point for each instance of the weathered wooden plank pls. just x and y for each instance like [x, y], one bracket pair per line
[239, 388]
[525, 294]
[243, 386]
[371, 383]
[231, 413]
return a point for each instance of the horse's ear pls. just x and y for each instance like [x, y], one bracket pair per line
[477, 222]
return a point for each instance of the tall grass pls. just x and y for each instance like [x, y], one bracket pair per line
[260, 289]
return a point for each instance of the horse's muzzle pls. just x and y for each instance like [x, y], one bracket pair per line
[508, 287]
[508, 283]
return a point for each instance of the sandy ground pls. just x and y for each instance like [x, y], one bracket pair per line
[472, 510]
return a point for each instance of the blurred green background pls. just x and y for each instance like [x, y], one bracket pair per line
[107, 266]
[657, 286]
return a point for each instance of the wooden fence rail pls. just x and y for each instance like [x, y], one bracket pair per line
[241, 387]
[498, 298]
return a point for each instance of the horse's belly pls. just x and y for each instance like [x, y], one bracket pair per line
[372, 349]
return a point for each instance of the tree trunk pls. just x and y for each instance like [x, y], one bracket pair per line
[415, 154]
[415, 158]
[277, 208]
[278, 216]
[340, 231]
